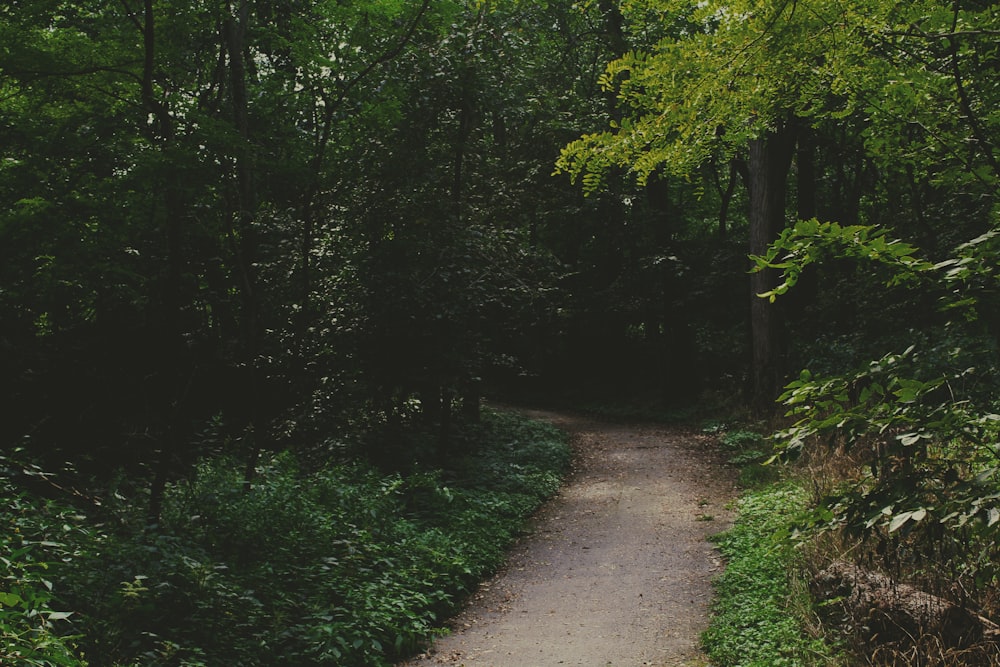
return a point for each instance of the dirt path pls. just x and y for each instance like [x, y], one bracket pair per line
[616, 571]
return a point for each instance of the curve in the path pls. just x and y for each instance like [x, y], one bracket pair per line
[617, 569]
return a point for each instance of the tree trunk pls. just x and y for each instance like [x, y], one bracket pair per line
[805, 163]
[234, 31]
[445, 441]
[465, 124]
[725, 194]
[171, 352]
[769, 161]
[471, 392]
[614, 25]
[807, 289]
[892, 611]
[234, 34]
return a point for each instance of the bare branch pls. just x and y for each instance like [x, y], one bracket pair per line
[132, 15]
[83, 71]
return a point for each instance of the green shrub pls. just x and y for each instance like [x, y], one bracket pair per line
[753, 624]
[34, 630]
[741, 440]
[341, 565]
[748, 451]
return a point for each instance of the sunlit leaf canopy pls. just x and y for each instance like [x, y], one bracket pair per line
[727, 72]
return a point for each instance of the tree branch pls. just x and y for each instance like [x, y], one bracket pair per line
[84, 71]
[914, 31]
[132, 15]
[325, 132]
[965, 101]
[331, 106]
[384, 58]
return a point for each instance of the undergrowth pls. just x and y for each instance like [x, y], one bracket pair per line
[760, 609]
[35, 631]
[344, 565]
[763, 613]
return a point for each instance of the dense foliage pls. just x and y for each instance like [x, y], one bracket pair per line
[338, 565]
[248, 243]
[279, 220]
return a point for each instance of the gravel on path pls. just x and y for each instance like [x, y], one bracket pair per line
[616, 570]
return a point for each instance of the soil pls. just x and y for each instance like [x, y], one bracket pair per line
[616, 570]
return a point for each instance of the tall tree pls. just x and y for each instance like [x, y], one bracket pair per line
[737, 80]
[168, 147]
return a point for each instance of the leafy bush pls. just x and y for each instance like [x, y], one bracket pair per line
[339, 565]
[739, 440]
[34, 630]
[747, 451]
[919, 427]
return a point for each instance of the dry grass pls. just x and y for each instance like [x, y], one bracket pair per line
[928, 560]
[930, 651]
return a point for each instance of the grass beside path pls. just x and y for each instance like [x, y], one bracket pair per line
[757, 616]
[762, 610]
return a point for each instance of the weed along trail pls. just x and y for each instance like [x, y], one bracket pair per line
[617, 568]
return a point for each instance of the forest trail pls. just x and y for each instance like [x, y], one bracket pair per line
[616, 570]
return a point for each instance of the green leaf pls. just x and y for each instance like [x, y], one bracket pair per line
[985, 476]
[10, 599]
